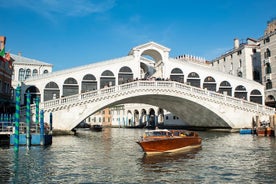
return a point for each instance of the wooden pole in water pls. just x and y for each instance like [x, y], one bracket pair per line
[274, 124]
[17, 118]
[28, 120]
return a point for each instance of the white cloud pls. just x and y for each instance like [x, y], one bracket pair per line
[50, 8]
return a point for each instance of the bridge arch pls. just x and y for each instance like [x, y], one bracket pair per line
[240, 92]
[51, 91]
[193, 79]
[256, 96]
[70, 87]
[107, 79]
[210, 83]
[125, 75]
[88, 83]
[225, 87]
[177, 75]
[34, 92]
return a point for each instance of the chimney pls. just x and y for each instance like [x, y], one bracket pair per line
[236, 43]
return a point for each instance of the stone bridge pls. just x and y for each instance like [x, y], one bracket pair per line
[196, 106]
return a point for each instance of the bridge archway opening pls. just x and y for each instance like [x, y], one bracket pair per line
[225, 88]
[88, 83]
[151, 120]
[70, 87]
[270, 101]
[107, 79]
[256, 96]
[129, 118]
[34, 93]
[240, 92]
[143, 117]
[193, 79]
[160, 119]
[51, 91]
[177, 75]
[152, 55]
[125, 75]
[136, 118]
[210, 84]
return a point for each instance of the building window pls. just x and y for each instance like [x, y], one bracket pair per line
[266, 40]
[35, 72]
[267, 54]
[268, 68]
[45, 71]
[268, 84]
[21, 76]
[239, 52]
[240, 64]
[239, 74]
[28, 73]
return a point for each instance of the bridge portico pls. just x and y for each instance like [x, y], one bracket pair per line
[145, 62]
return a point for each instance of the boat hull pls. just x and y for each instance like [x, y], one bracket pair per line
[170, 144]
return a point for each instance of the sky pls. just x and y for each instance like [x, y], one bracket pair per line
[71, 33]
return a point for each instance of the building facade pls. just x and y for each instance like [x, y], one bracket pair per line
[268, 58]
[6, 103]
[243, 60]
[24, 68]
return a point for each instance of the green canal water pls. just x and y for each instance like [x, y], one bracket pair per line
[113, 156]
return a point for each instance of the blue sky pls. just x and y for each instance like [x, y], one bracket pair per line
[70, 33]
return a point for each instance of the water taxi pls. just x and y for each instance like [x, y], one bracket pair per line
[167, 141]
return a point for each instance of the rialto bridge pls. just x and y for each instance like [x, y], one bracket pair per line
[196, 93]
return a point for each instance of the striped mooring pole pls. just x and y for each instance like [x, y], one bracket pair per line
[42, 127]
[28, 120]
[36, 113]
[17, 118]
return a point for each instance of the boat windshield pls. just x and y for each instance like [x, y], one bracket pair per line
[157, 133]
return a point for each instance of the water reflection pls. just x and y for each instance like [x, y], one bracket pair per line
[169, 157]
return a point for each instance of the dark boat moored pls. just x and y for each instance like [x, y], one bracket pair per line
[163, 140]
[97, 127]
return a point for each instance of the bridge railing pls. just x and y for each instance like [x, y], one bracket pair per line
[191, 90]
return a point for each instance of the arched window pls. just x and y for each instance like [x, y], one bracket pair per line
[240, 92]
[34, 92]
[193, 79]
[210, 84]
[107, 79]
[125, 75]
[256, 96]
[28, 73]
[21, 76]
[239, 74]
[88, 83]
[267, 53]
[35, 72]
[45, 71]
[177, 75]
[70, 87]
[267, 68]
[256, 75]
[51, 91]
[225, 87]
[268, 84]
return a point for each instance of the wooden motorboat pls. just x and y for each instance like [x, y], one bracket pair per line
[163, 140]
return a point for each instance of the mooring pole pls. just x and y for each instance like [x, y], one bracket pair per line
[28, 120]
[41, 127]
[36, 113]
[17, 118]
[51, 122]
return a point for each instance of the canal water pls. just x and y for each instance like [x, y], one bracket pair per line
[112, 156]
